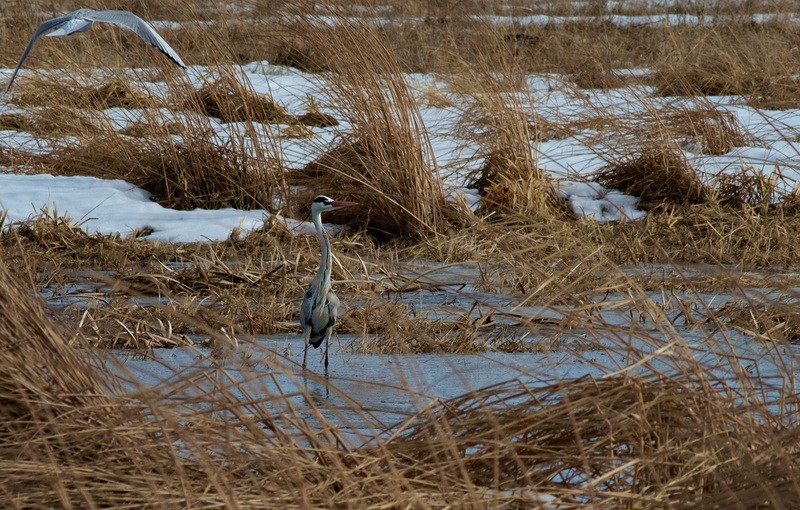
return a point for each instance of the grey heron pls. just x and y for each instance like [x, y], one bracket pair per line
[82, 20]
[320, 304]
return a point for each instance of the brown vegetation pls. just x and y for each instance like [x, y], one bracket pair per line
[384, 163]
[658, 176]
[621, 440]
[665, 431]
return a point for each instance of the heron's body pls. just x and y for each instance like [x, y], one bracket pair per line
[320, 305]
[82, 20]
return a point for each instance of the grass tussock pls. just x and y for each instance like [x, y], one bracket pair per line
[757, 63]
[39, 91]
[230, 101]
[658, 176]
[500, 122]
[384, 163]
[52, 121]
[717, 235]
[117, 92]
[747, 188]
[512, 186]
[185, 175]
[774, 321]
[713, 131]
[52, 241]
[595, 72]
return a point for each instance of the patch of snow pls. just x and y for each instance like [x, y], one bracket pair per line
[591, 200]
[109, 206]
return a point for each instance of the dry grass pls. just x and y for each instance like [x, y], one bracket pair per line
[385, 162]
[510, 180]
[195, 172]
[230, 101]
[658, 176]
[666, 431]
[51, 121]
[621, 441]
[757, 64]
[621, 434]
[712, 130]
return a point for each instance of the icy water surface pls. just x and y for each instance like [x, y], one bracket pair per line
[676, 329]
[362, 393]
[365, 395]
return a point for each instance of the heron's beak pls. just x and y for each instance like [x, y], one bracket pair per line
[338, 204]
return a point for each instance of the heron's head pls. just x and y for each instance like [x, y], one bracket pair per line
[322, 203]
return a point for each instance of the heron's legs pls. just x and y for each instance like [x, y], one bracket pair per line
[327, 341]
[306, 338]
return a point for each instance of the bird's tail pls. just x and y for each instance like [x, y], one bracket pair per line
[316, 340]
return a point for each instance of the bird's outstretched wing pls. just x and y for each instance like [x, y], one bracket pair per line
[44, 27]
[122, 19]
[140, 27]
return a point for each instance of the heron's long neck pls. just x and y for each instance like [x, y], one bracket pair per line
[324, 272]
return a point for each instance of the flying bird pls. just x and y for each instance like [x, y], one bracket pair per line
[320, 305]
[82, 20]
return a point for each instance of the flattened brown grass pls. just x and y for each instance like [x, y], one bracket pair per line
[185, 175]
[53, 121]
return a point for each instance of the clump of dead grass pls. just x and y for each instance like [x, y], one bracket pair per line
[294, 50]
[119, 93]
[148, 129]
[714, 131]
[775, 321]
[755, 62]
[54, 120]
[746, 187]
[716, 72]
[230, 101]
[196, 172]
[390, 327]
[717, 235]
[50, 241]
[595, 72]
[658, 176]
[48, 91]
[385, 163]
[316, 118]
[128, 326]
[514, 186]
[510, 181]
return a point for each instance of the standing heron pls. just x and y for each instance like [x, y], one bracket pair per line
[319, 309]
[82, 20]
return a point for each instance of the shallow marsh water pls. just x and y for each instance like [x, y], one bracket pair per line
[366, 394]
